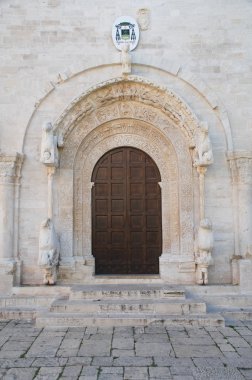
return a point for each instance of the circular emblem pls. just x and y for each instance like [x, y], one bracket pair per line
[125, 30]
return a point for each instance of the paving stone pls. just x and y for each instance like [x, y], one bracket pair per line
[20, 374]
[109, 376]
[102, 361]
[126, 343]
[73, 370]
[247, 373]
[117, 353]
[133, 361]
[11, 354]
[82, 360]
[152, 338]
[196, 351]
[226, 347]
[245, 352]
[181, 370]
[67, 352]
[89, 371]
[135, 373]
[19, 363]
[112, 370]
[206, 341]
[208, 362]
[217, 374]
[49, 362]
[238, 342]
[93, 348]
[160, 373]
[164, 361]
[145, 349]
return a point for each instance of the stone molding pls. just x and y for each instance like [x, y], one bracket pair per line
[10, 167]
[164, 146]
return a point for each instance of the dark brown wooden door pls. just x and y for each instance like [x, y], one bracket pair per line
[126, 213]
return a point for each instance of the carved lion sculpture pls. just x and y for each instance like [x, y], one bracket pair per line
[203, 151]
[203, 250]
[49, 251]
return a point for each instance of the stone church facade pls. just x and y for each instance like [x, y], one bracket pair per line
[143, 171]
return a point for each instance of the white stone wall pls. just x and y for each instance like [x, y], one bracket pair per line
[54, 50]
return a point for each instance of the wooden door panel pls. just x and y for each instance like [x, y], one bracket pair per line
[126, 222]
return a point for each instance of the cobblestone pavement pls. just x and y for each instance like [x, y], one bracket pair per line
[154, 352]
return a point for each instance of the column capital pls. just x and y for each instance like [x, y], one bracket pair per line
[10, 167]
[241, 166]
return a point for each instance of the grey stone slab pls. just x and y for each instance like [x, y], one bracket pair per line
[94, 348]
[67, 352]
[102, 361]
[208, 362]
[123, 343]
[82, 360]
[135, 373]
[181, 370]
[73, 370]
[109, 376]
[226, 347]
[228, 332]
[11, 354]
[238, 342]
[112, 370]
[247, 373]
[50, 370]
[160, 373]
[70, 343]
[49, 362]
[19, 363]
[152, 338]
[117, 353]
[206, 341]
[196, 351]
[134, 361]
[164, 361]
[42, 351]
[217, 374]
[183, 377]
[155, 329]
[145, 349]
[20, 374]
[245, 352]
[89, 371]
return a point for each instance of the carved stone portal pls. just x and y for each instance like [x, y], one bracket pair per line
[129, 112]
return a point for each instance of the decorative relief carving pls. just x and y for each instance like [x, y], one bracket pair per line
[149, 139]
[10, 167]
[241, 167]
[134, 89]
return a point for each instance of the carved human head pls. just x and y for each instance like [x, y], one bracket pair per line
[48, 127]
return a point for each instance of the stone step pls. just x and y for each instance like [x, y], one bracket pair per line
[240, 300]
[126, 291]
[25, 301]
[17, 313]
[161, 306]
[109, 320]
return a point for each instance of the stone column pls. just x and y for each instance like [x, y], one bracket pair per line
[10, 167]
[202, 171]
[241, 171]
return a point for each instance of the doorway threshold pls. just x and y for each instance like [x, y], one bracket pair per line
[128, 279]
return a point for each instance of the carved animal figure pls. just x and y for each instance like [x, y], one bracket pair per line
[204, 154]
[49, 251]
[49, 149]
[204, 249]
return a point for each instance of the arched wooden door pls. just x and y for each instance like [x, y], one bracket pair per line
[126, 213]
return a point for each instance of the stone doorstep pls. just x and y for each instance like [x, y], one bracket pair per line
[160, 306]
[127, 291]
[241, 301]
[109, 320]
